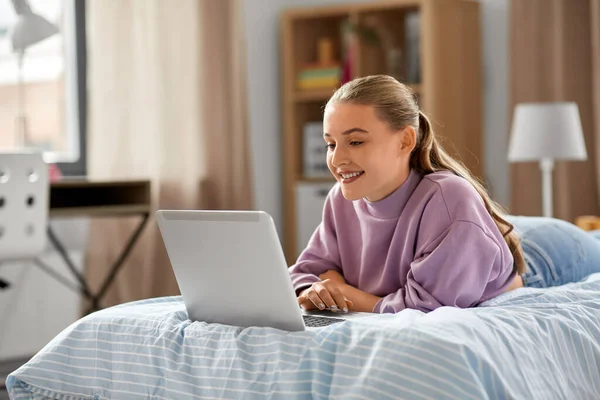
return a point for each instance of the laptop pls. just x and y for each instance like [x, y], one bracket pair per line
[231, 270]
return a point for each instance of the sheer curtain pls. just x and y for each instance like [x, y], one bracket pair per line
[167, 102]
[555, 56]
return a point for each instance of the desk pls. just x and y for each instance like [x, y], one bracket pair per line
[89, 198]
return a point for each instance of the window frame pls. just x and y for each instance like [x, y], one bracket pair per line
[79, 167]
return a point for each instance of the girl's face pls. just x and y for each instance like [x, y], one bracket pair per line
[367, 157]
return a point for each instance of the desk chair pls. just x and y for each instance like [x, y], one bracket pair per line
[24, 200]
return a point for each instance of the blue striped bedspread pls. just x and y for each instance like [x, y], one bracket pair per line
[525, 344]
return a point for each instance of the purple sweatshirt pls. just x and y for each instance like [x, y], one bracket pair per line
[431, 243]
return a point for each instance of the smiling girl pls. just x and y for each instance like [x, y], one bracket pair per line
[407, 226]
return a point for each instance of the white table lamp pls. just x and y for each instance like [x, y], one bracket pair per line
[546, 132]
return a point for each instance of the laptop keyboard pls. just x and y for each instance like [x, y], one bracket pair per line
[315, 322]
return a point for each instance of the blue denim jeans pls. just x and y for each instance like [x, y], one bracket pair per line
[556, 252]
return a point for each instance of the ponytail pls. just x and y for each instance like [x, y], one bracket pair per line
[429, 156]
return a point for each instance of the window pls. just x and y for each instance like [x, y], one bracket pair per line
[52, 98]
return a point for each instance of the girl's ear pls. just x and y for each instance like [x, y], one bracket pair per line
[408, 139]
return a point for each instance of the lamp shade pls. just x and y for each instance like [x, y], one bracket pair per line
[31, 29]
[546, 131]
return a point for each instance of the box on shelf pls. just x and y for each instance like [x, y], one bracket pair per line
[323, 74]
[314, 77]
[314, 151]
[310, 199]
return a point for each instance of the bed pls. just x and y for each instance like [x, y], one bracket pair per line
[525, 344]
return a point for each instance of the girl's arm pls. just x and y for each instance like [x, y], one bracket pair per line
[455, 271]
[362, 301]
[460, 267]
[321, 253]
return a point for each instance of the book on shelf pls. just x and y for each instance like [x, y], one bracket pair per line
[312, 77]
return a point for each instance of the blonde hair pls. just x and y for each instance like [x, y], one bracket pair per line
[396, 104]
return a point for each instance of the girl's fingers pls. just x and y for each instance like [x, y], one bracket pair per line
[349, 302]
[306, 304]
[325, 295]
[340, 300]
[316, 299]
[309, 299]
[321, 297]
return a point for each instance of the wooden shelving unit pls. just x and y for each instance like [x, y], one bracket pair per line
[317, 180]
[312, 95]
[449, 89]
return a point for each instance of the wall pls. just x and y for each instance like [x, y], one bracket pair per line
[262, 35]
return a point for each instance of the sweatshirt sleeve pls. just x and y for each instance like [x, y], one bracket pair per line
[321, 253]
[454, 270]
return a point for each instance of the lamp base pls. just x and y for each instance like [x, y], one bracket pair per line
[546, 166]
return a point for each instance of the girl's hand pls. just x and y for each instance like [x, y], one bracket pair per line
[333, 275]
[325, 294]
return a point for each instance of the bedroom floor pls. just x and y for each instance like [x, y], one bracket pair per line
[6, 367]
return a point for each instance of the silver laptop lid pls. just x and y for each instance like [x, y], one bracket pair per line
[230, 268]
